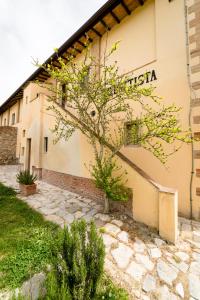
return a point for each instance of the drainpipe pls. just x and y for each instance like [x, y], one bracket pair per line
[190, 111]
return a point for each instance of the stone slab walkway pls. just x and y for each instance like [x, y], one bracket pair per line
[136, 257]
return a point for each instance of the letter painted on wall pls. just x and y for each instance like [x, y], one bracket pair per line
[143, 78]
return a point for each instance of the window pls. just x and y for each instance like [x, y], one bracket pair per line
[132, 132]
[24, 133]
[45, 144]
[13, 119]
[22, 151]
[26, 99]
[63, 95]
[4, 122]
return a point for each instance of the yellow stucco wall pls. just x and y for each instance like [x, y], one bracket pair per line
[146, 44]
[152, 38]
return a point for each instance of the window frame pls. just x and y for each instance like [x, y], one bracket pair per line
[137, 125]
[13, 119]
[22, 151]
[63, 95]
[46, 144]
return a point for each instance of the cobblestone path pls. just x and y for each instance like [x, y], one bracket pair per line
[136, 257]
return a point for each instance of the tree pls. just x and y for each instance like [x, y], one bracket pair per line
[102, 104]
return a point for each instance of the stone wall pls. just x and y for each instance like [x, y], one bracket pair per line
[8, 144]
[193, 15]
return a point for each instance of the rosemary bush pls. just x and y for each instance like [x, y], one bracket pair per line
[79, 262]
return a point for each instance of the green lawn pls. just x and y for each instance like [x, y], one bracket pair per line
[25, 240]
[26, 243]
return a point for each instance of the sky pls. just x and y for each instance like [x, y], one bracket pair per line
[31, 29]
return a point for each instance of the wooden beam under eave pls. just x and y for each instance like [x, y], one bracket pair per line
[88, 37]
[96, 32]
[115, 17]
[81, 43]
[104, 24]
[71, 54]
[43, 77]
[125, 7]
[64, 58]
[141, 2]
[18, 98]
[77, 50]
[56, 64]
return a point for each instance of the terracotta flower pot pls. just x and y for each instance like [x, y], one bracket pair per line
[27, 190]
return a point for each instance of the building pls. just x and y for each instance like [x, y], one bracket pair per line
[161, 37]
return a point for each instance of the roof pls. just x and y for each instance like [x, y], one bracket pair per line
[110, 14]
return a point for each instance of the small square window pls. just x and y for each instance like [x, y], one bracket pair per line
[63, 95]
[22, 151]
[133, 133]
[13, 119]
[45, 144]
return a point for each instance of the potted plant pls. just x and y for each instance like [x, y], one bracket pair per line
[26, 182]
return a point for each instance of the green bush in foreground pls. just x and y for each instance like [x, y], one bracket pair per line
[78, 273]
[79, 263]
[106, 290]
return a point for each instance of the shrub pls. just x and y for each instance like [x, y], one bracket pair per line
[79, 263]
[107, 177]
[109, 291]
[25, 177]
[106, 290]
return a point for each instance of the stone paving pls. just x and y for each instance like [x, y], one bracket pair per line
[136, 257]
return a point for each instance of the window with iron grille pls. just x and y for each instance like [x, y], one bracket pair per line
[132, 133]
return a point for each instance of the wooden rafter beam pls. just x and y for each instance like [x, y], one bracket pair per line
[77, 50]
[81, 43]
[88, 38]
[115, 17]
[43, 77]
[125, 7]
[96, 32]
[104, 24]
[63, 57]
[72, 54]
[18, 97]
[56, 64]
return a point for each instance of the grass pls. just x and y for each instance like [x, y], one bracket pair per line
[25, 240]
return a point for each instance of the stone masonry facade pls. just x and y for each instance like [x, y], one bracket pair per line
[193, 20]
[8, 144]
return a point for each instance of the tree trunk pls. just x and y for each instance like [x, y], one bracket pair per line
[106, 205]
